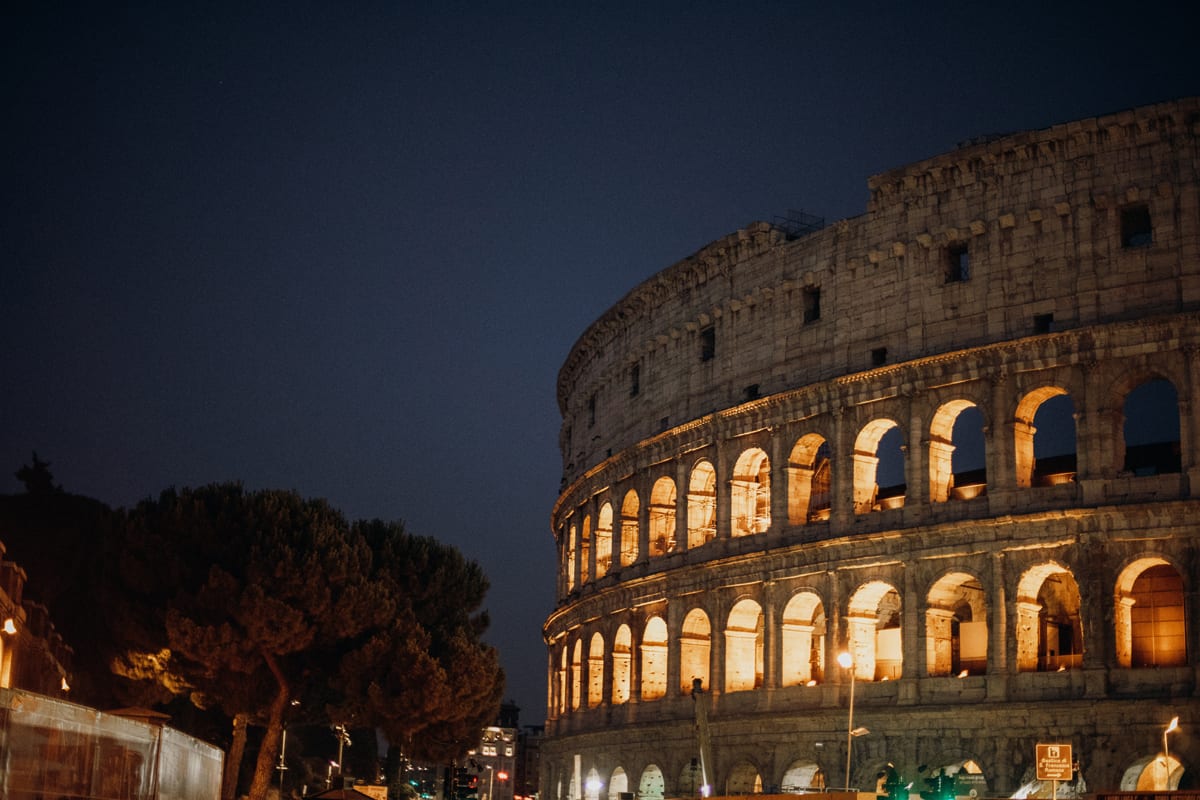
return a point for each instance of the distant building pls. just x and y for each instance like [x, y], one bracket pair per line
[33, 655]
[956, 438]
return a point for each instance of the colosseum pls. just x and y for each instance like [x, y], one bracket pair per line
[889, 503]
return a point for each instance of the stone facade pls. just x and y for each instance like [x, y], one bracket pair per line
[955, 437]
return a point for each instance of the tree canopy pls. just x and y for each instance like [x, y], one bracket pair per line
[254, 600]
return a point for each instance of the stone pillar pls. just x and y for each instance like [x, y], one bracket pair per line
[716, 683]
[941, 471]
[861, 639]
[842, 504]
[1023, 433]
[916, 456]
[998, 439]
[1189, 420]
[771, 637]
[1122, 631]
[779, 481]
[674, 628]
[723, 487]
[682, 484]
[863, 481]
[799, 492]
[1027, 635]
[938, 641]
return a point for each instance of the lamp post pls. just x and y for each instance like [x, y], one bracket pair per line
[1174, 725]
[847, 662]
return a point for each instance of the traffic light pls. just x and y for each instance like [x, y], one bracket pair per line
[940, 787]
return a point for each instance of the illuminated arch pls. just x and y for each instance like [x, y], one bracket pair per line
[595, 671]
[956, 628]
[654, 659]
[622, 666]
[569, 560]
[809, 480]
[618, 784]
[802, 776]
[702, 504]
[585, 551]
[803, 634]
[629, 528]
[954, 424]
[576, 674]
[695, 645]
[1149, 620]
[750, 494]
[1048, 458]
[1049, 626]
[873, 632]
[867, 460]
[744, 647]
[651, 786]
[662, 517]
[604, 539]
[744, 779]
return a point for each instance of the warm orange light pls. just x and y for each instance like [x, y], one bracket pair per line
[65, 686]
[10, 625]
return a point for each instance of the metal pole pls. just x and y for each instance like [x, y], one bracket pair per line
[850, 728]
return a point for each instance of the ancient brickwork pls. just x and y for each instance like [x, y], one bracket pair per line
[956, 438]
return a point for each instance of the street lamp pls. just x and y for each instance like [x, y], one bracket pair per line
[847, 662]
[1174, 725]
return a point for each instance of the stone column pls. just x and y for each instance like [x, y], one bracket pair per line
[941, 471]
[771, 637]
[1027, 635]
[842, 509]
[999, 441]
[938, 641]
[681, 507]
[779, 481]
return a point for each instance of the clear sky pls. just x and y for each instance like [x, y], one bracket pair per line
[344, 247]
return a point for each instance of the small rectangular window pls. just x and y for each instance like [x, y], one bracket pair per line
[812, 303]
[1042, 323]
[591, 411]
[750, 393]
[664, 423]
[958, 263]
[635, 380]
[878, 356]
[708, 344]
[1136, 230]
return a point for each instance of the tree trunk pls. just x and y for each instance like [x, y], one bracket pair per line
[269, 750]
[233, 760]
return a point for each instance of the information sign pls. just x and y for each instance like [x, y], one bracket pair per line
[1054, 762]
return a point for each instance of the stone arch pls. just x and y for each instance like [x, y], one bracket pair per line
[744, 778]
[866, 456]
[803, 640]
[1045, 437]
[873, 632]
[576, 674]
[744, 647]
[801, 776]
[750, 494]
[1153, 773]
[702, 504]
[1150, 429]
[585, 550]
[595, 670]
[954, 433]
[691, 780]
[1149, 620]
[604, 539]
[662, 517]
[563, 677]
[622, 665]
[695, 646]
[654, 659]
[651, 786]
[810, 488]
[630, 507]
[1049, 624]
[569, 561]
[618, 784]
[956, 626]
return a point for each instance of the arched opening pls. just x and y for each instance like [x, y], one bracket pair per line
[702, 505]
[802, 776]
[744, 647]
[563, 677]
[576, 674]
[604, 537]
[809, 480]
[803, 641]
[1151, 429]
[1151, 629]
[879, 482]
[585, 551]
[750, 494]
[1049, 627]
[569, 562]
[662, 517]
[695, 644]
[956, 634]
[618, 784]
[622, 667]
[595, 671]
[957, 458]
[744, 779]
[629, 528]
[873, 632]
[592, 785]
[651, 786]
[1045, 438]
[691, 780]
[1154, 773]
[654, 659]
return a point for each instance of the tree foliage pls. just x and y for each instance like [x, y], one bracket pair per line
[263, 598]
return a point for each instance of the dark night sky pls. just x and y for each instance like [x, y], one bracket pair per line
[344, 248]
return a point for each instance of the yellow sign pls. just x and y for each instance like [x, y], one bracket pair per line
[1054, 762]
